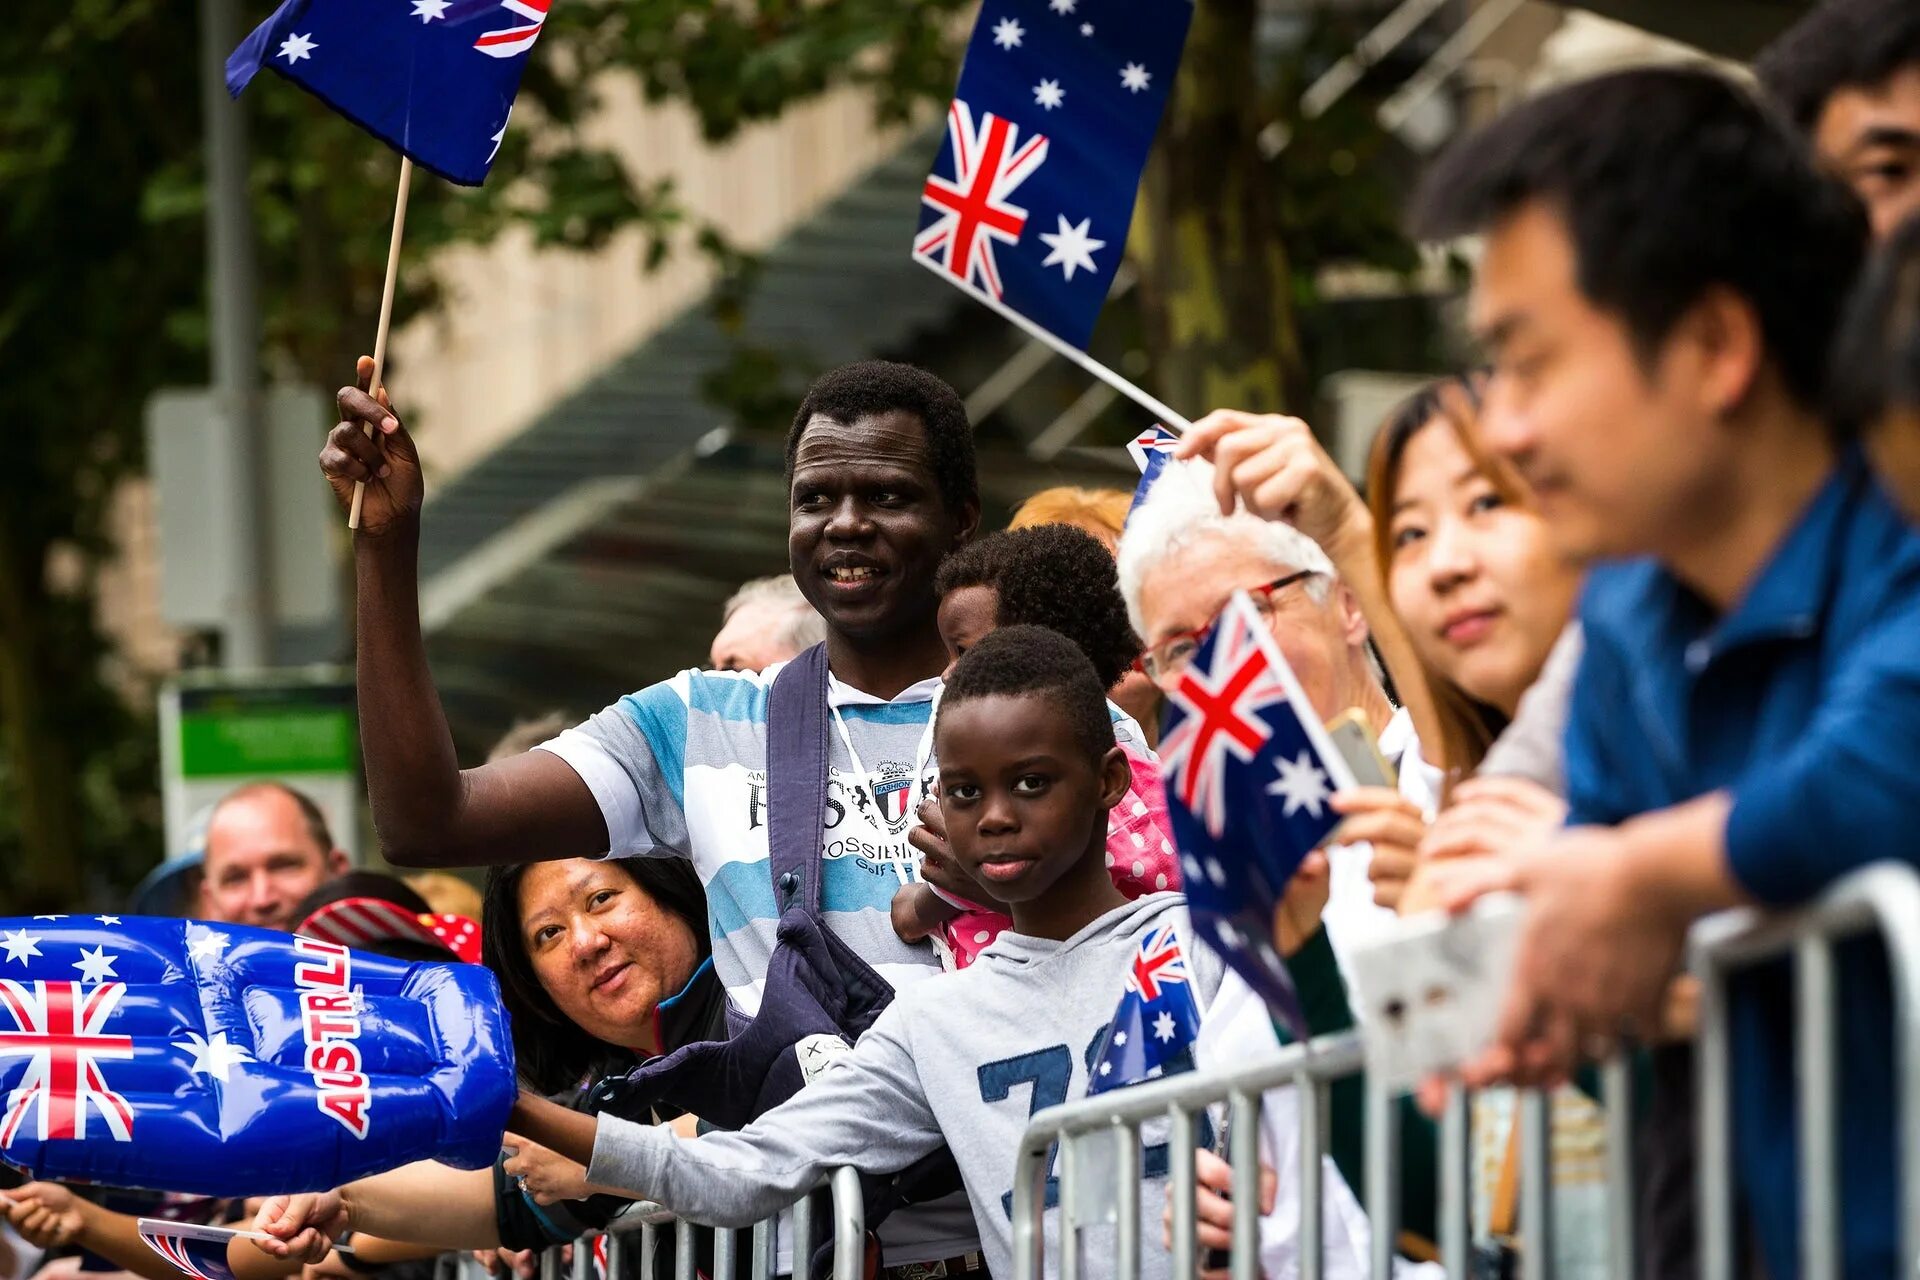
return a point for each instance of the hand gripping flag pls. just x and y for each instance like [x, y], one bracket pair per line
[433, 79]
[1151, 451]
[1249, 770]
[223, 1060]
[1029, 199]
[1158, 1019]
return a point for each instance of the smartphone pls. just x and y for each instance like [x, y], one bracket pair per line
[1427, 989]
[1353, 739]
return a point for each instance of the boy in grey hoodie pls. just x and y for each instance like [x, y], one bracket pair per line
[1028, 770]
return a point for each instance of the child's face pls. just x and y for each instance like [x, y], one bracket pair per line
[1023, 801]
[967, 616]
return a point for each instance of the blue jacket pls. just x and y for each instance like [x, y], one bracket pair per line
[1803, 703]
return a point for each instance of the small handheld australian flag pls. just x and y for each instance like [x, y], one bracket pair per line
[1158, 1018]
[433, 79]
[1030, 197]
[198, 1251]
[1151, 450]
[1249, 770]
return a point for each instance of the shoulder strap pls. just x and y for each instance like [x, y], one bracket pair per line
[797, 778]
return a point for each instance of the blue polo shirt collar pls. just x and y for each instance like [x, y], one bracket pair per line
[1787, 599]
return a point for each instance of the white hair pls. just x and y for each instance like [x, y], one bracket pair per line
[801, 626]
[1181, 509]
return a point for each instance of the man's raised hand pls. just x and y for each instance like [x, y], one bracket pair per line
[386, 462]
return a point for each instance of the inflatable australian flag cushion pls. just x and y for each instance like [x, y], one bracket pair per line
[222, 1060]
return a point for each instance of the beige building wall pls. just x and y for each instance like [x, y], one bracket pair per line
[523, 327]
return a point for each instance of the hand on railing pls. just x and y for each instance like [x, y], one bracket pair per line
[1213, 1205]
[524, 1264]
[547, 1177]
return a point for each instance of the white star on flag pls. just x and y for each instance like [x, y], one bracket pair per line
[1163, 1026]
[1049, 94]
[207, 946]
[95, 965]
[1120, 1038]
[49, 917]
[1086, 28]
[1007, 33]
[1106, 1068]
[1072, 247]
[20, 944]
[108, 919]
[1301, 783]
[1134, 77]
[428, 10]
[213, 1057]
[296, 47]
[1062, 7]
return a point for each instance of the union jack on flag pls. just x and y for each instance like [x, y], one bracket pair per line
[1158, 1019]
[1249, 772]
[199, 1251]
[59, 1027]
[433, 79]
[1151, 451]
[1029, 199]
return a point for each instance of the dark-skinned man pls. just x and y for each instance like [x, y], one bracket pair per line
[882, 487]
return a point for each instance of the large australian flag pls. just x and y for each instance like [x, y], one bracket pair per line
[433, 79]
[1249, 771]
[1031, 194]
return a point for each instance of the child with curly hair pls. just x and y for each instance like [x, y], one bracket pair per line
[1059, 577]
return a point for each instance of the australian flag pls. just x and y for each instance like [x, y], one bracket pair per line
[1031, 194]
[1249, 771]
[198, 1251]
[433, 79]
[1158, 1019]
[1151, 450]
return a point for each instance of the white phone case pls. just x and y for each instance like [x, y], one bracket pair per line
[1427, 993]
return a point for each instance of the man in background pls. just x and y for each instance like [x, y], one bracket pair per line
[766, 621]
[268, 847]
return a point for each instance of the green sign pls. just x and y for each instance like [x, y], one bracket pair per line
[266, 731]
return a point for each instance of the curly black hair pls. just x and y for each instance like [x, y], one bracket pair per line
[868, 387]
[1019, 661]
[1052, 575]
[1737, 205]
[1842, 44]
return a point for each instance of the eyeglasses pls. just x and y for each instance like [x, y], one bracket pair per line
[1168, 658]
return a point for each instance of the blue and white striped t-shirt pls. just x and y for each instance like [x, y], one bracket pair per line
[680, 770]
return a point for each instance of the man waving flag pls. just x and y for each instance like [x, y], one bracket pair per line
[1029, 199]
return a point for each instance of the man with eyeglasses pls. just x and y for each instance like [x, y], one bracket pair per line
[1181, 560]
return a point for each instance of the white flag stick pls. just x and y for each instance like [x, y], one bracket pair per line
[386, 315]
[1168, 418]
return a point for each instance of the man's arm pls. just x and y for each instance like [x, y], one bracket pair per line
[427, 812]
[869, 1110]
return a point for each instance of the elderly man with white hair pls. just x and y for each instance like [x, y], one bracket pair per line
[766, 621]
[1180, 561]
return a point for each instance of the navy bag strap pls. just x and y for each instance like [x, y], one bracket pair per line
[797, 779]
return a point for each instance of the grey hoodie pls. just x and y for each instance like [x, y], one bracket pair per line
[964, 1058]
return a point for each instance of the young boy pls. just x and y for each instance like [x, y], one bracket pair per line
[1028, 771]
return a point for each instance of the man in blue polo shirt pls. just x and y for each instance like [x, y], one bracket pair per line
[1662, 273]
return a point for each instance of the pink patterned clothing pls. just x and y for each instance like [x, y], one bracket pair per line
[1140, 855]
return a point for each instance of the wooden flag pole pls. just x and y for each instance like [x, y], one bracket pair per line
[1152, 404]
[386, 315]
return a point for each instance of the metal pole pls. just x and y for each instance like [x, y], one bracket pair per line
[233, 311]
[1818, 1099]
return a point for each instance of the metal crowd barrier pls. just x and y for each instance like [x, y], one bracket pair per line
[600, 1255]
[1098, 1140]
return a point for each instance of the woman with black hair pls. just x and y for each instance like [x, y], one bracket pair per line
[603, 965]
